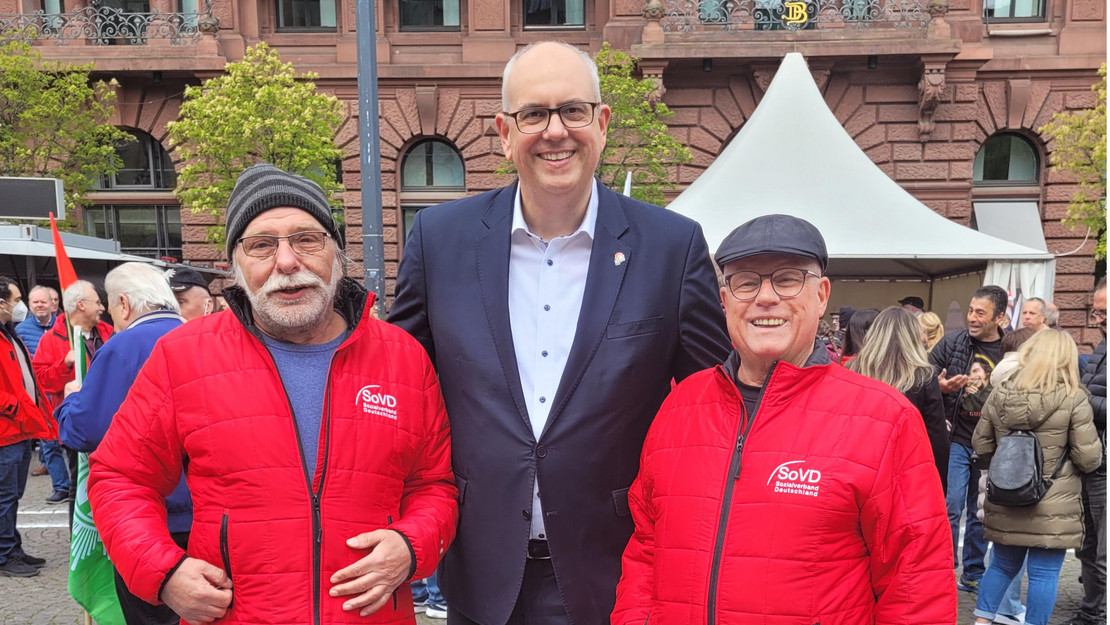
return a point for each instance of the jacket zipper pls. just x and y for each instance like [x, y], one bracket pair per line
[731, 478]
[225, 554]
[314, 495]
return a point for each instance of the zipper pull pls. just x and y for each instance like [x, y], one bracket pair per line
[316, 519]
[739, 456]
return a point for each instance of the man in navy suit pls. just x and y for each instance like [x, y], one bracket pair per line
[557, 313]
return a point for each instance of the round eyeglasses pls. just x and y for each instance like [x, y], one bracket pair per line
[266, 245]
[534, 119]
[787, 282]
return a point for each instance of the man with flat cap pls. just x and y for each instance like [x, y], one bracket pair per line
[191, 291]
[313, 437]
[780, 488]
[914, 304]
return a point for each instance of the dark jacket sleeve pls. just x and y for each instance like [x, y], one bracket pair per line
[930, 403]
[703, 339]
[410, 306]
[1094, 378]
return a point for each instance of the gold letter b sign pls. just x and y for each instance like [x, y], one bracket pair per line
[795, 13]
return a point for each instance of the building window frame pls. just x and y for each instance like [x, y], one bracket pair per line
[447, 12]
[158, 166]
[104, 221]
[326, 16]
[991, 12]
[579, 9]
[412, 197]
[432, 167]
[981, 167]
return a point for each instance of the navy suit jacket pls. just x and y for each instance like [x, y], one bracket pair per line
[653, 317]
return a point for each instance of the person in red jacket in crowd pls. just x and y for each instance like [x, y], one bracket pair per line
[22, 418]
[777, 488]
[54, 360]
[313, 438]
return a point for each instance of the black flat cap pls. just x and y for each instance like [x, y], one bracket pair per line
[774, 234]
[182, 278]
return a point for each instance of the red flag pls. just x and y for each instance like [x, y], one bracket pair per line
[66, 274]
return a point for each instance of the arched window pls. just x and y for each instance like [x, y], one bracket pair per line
[144, 164]
[145, 217]
[432, 164]
[1006, 198]
[432, 172]
[1006, 158]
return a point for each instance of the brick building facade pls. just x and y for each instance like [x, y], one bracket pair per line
[922, 88]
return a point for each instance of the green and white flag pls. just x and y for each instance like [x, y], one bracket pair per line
[91, 575]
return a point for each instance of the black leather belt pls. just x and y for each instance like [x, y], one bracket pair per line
[537, 550]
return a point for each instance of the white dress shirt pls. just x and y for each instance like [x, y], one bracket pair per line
[547, 280]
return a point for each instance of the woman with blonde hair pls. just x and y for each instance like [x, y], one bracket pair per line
[892, 354]
[1044, 397]
[932, 330]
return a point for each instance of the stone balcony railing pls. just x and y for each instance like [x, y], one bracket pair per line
[102, 25]
[706, 16]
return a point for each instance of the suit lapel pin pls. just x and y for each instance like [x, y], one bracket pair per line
[618, 259]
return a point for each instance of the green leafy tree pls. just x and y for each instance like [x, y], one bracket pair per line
[1080, 148]
[54, 122]
[637, 140]
[258, 111]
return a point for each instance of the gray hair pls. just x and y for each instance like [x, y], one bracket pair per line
[590, 65]
[73, 293]
[1051, 315]
[1044, 309]
[41, 287]
[145, 287]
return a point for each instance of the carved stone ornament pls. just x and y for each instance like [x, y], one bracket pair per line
[654, 73]
[653, 10]
[763, 78]
[931, 88]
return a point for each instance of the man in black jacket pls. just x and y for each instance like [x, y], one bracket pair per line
[1093, 554]
[952, 357]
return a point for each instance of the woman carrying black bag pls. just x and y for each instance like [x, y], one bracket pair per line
[1044, 396]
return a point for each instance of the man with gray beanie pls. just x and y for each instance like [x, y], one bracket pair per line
[793, 489]
[313, 438]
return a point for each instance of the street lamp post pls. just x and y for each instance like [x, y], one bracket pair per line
[370, 156]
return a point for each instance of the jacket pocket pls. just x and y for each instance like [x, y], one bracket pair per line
[634, 328]
[225, 555]
[620, 503]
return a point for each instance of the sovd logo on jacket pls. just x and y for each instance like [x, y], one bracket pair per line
[795, 480]
[374, 401]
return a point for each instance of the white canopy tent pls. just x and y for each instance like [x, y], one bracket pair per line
[794, 157]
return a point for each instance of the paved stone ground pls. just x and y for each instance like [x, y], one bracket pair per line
[44, 600]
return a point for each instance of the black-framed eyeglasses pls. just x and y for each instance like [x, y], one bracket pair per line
[787, 282]
[266, 245]
[534, 119]
[1097, 316]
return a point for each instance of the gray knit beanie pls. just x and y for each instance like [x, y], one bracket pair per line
[262, 187]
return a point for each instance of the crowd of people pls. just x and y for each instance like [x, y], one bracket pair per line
[573, 413]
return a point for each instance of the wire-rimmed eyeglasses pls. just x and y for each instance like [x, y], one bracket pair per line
[534, 119]
[787, 282]
[266, 245]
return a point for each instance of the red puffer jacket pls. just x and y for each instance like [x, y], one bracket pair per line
[51, 370]
[210, 398]
[21, 416]
[823, 507]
